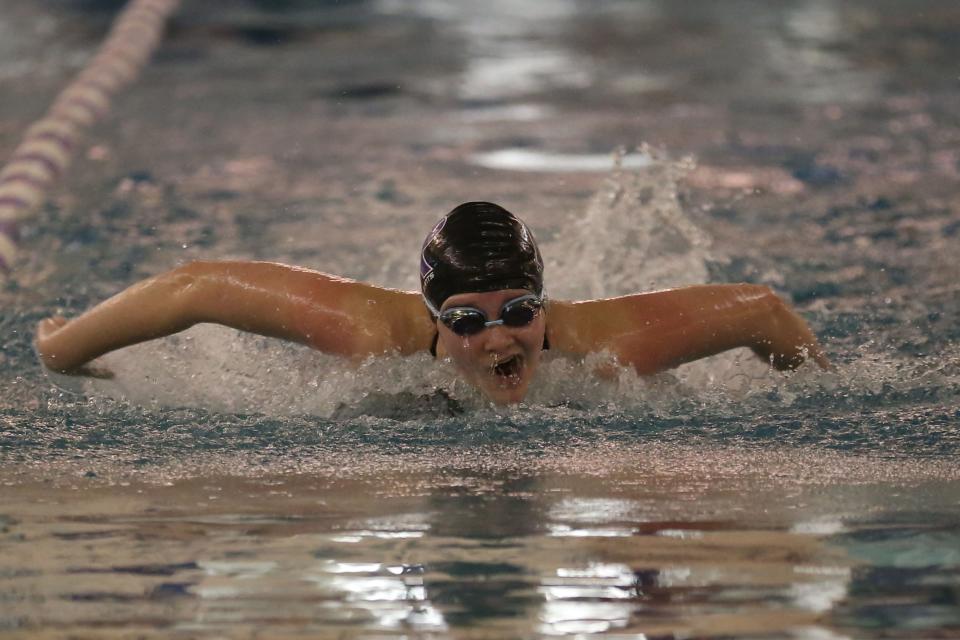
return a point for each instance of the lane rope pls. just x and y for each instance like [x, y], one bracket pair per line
[49, 144]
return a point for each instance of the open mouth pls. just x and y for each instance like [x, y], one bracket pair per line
[509, 370]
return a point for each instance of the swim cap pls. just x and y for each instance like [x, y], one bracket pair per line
[479, 246]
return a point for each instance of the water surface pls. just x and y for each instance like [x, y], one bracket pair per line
[229, 486]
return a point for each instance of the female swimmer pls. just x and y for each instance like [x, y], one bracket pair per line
[483, 306]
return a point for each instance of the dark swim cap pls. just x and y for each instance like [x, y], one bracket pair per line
[479, 246]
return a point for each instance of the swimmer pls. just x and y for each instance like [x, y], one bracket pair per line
[482, 305]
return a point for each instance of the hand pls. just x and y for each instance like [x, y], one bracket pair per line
[45, 329]
[792, 356]
[788, 341]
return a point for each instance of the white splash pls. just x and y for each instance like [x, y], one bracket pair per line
[633, 236]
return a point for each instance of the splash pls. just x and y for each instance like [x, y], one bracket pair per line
[223, 370]
[634, 236]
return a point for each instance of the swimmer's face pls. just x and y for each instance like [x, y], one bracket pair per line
[500, 360]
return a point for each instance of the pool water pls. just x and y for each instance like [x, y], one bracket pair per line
[223, 485]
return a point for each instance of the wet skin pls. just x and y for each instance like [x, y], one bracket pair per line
[500, 360]
[649, 332]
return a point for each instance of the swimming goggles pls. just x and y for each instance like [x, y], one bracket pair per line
[467, 321]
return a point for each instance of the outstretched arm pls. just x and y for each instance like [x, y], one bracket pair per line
[331, 314]
[663, 329]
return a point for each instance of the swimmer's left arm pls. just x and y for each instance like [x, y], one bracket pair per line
[663, 329]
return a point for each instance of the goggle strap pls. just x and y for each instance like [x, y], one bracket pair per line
[432, 309]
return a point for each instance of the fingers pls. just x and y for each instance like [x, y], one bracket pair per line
[43, 344]
[791, 357]
[49, 325]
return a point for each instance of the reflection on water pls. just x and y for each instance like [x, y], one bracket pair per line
[491, 548]
[501, 59]
[528, 160]
[811, 49]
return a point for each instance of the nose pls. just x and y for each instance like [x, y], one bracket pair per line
[497, 338]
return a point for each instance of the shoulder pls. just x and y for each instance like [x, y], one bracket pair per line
[408, 323]
[569, 326]
[385, 320]
[585, 326]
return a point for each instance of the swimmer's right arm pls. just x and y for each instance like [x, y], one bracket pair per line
[331, 314]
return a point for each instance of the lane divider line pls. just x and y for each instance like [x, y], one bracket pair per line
[47, 146]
